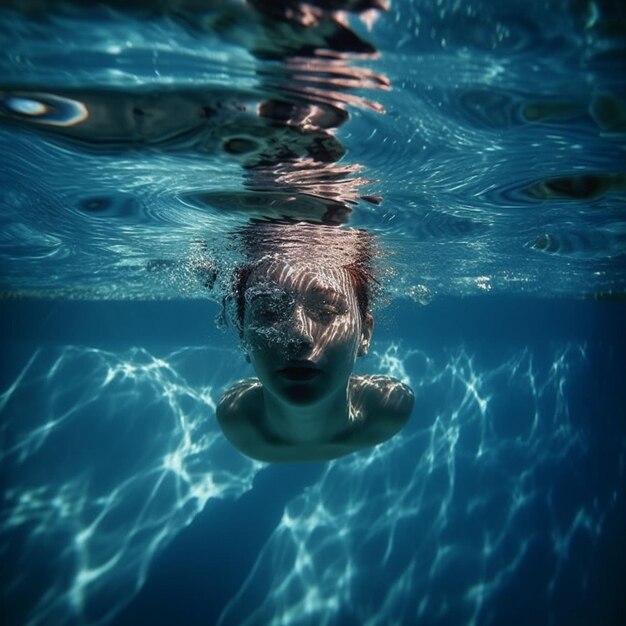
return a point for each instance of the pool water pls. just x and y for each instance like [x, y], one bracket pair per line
[480, 143]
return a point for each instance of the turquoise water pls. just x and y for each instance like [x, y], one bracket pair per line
[481, 144]
[499, 151]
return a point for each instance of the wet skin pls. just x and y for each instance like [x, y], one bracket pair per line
[302, 330]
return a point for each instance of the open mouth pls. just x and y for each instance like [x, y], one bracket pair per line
[297, 373]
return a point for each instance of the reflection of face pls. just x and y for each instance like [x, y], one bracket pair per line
[302, 328]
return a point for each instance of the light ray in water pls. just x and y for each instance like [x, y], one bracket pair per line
[109, 456]
[464, 495]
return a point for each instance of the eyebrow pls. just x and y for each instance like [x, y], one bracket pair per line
[328, 291]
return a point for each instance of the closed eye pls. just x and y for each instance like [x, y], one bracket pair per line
[326, 312]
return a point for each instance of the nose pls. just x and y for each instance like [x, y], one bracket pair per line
[300, 337]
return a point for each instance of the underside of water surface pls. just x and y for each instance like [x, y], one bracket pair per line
[481, 142]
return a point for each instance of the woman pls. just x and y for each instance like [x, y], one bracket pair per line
[302, 306]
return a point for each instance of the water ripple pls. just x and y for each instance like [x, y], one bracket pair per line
[476, 491]
[120, 497]
[198, 120]
[451, 540]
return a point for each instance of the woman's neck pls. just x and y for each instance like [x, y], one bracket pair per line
[314, 424]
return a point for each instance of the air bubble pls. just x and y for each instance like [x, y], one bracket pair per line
[26, 106]
[420, 294]
[43, 108]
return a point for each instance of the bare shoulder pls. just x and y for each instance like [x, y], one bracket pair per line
[236, 402]
[385, 393]
[384, 404]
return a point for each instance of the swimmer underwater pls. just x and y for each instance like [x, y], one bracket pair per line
[302, 307]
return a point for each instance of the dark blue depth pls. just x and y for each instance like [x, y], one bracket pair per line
[501, 503]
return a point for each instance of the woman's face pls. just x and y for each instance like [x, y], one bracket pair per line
[302, 329]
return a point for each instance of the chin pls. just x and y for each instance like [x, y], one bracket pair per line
[301, 395]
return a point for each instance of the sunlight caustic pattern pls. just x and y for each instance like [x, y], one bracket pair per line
[107, 456]
[456, 505]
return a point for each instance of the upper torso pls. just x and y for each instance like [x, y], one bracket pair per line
[380, 406]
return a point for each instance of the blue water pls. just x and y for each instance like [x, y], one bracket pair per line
[480, 143]
[501, 502]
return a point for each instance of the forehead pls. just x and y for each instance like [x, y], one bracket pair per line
[301, 277]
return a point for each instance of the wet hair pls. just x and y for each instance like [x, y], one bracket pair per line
[356, 256]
